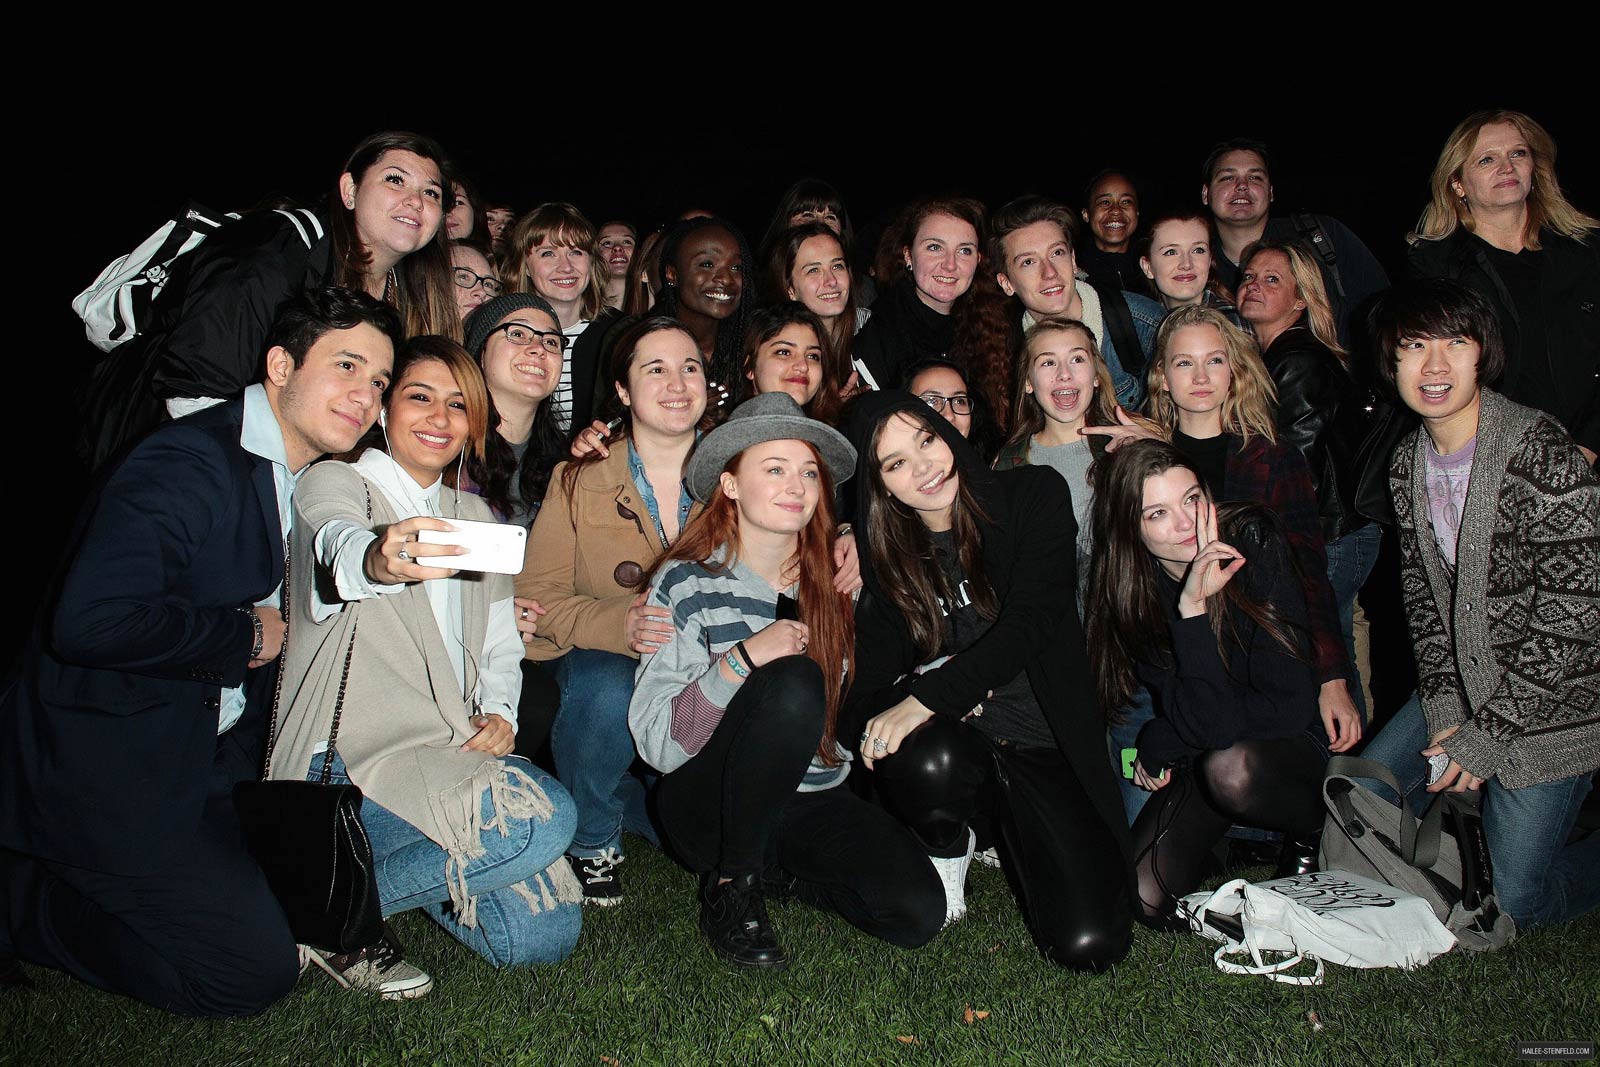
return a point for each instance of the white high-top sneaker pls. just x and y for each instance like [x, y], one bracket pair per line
[953, 873]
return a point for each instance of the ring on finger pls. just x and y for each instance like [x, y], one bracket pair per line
[404, 556]
[879, 746]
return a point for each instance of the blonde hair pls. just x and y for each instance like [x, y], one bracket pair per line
[1548, 207]
[559, 225]
[1312, 289]
[1252, 398]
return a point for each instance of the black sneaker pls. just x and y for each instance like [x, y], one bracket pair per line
[733, 916]
[600, 877]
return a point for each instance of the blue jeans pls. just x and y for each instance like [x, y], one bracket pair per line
[593, 749]
[410, 874]
[1123, 735]
[1350, 561]
[1538, 877]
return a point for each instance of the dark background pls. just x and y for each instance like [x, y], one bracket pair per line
[121, 175]
[1367, 164]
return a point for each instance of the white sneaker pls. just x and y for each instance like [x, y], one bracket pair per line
[989, 857]
[953, 873]
[379, 968]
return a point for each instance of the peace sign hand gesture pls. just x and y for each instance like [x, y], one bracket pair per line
[1214, 564]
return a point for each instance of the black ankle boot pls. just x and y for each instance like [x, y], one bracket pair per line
[733, 916]
[1299, 855]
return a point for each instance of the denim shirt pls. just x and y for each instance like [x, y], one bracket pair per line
[647, 493]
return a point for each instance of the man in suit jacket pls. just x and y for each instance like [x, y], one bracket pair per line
[145, 690]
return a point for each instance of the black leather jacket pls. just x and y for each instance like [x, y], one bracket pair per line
[1319, 414]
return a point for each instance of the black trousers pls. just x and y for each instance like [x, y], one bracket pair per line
[1064, 863]
[202, 936]
[734, 810]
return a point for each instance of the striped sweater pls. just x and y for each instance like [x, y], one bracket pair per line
[680, 692]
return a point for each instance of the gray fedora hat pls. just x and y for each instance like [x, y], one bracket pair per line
[767, 417]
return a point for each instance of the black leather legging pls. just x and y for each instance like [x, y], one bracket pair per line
[1272, 783]
[1063, 861]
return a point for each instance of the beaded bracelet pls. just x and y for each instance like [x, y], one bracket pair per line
[261, 637]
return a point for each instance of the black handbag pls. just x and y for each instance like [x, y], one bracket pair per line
[308, 839]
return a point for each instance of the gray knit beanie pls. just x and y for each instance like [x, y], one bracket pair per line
[482, 321]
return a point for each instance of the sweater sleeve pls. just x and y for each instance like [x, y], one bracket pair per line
[1295, 500]
[679, 693]
[1553, 664]
[1038, 609]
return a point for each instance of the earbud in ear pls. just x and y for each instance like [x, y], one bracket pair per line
[383, 418]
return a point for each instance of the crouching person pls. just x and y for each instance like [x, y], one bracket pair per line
[143, 694]
[414, 668]
[1498, 515]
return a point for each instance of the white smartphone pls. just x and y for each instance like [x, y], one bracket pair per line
[491, 546]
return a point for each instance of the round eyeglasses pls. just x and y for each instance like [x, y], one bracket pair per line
[468, 279]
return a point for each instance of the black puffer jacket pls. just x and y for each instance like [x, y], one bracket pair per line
[1319, 414]
[1569, 312]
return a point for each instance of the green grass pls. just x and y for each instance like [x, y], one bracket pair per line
[643, 988]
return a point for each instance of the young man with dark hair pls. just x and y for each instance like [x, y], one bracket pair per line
[1498, 516]
[1236, 184]
[144, 692]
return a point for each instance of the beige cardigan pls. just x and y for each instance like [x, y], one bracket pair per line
[400, 734]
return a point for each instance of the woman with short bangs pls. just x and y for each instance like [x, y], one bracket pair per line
[417, 667]
[739, 710]
[552, 253]
[1499, 222]
[381, 233]
[1281, 295]
[972, 690]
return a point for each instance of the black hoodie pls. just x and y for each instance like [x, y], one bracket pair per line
[1029, 557]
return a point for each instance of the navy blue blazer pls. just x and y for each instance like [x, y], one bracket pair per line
[108, 727]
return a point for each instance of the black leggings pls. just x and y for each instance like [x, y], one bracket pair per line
[1063, 860]
[1273, 783]
[733, 810]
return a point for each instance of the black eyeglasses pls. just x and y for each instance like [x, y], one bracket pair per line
[468, 279]
[522, 336]
[961, 403]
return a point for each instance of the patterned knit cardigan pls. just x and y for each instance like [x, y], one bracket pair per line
[1510, 651]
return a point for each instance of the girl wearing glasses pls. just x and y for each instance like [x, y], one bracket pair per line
[942, 385]
[554, 253]
[476, 280]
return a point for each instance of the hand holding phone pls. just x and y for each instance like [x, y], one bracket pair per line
[490, 546]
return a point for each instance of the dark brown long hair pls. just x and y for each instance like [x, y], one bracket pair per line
[1127, 610]
[903, 557]
[621, 359]
[424, 293]
[826, 612]
[780, 269]
[769, 321]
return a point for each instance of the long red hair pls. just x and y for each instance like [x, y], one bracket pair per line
[826, 613]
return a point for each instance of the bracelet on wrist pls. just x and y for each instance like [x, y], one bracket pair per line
[731, 658]
[260, 634]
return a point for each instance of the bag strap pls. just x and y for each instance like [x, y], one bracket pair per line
[1119, 324]
[1419, 840]
[344, 677]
